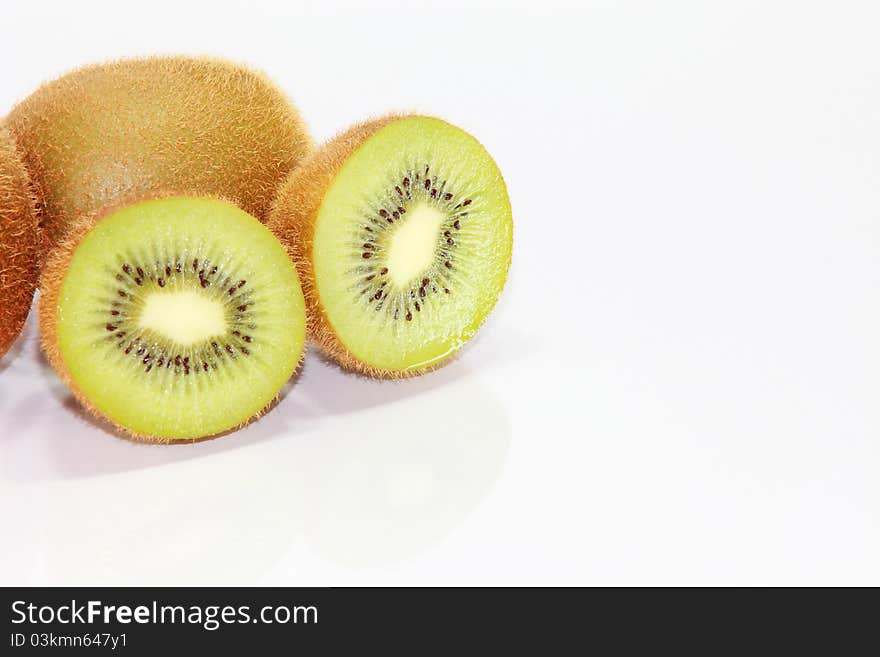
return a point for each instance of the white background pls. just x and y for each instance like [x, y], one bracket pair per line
[680, 385]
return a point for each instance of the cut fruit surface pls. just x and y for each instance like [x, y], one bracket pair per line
[174, 318]
[402, 232]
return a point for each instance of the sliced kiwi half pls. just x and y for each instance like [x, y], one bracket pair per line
[18, 243]
[401, 230]
[174, 318]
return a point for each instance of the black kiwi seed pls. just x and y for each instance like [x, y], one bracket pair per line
[433, 190]
[154, 352]
[426, 188]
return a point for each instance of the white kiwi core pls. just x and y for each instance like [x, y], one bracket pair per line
[412, 246]
[184, 316]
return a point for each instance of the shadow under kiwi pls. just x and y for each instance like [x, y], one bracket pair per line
[82, 445]
[363, 493]
[12, 353]
[18, 348]
[337, 391]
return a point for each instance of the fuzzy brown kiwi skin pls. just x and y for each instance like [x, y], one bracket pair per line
[126, 129]
[293, 218]
[18, 243]
[51, 281]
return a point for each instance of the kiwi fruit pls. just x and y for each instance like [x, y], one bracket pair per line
[18, 243]
[128, 129]
[402, 234]
[174, 318]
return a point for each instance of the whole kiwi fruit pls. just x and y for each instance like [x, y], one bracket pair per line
[18, 243]
[125, 129]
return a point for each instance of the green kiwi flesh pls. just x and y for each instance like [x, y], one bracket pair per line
[175, 318]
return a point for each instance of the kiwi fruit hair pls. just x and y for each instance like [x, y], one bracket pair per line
[18, 243]
[173, 318]
[401, 231]
[127, 129]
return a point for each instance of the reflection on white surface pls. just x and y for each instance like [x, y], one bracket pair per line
[363, 473]
[403, 476]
